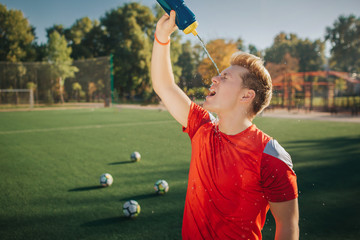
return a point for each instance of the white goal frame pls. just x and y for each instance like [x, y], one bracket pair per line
[30, 91]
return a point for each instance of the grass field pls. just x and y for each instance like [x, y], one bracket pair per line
[51, 161]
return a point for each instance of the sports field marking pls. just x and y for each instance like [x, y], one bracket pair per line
[85, 127]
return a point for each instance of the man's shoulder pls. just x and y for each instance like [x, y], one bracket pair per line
[197, 118]
[274, 149]
[260, 136]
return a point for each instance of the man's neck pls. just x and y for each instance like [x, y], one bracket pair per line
[232, 124]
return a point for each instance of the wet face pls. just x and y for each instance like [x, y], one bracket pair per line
[226, 92]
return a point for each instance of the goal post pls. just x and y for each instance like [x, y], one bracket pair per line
[17, 97]
[91, 83]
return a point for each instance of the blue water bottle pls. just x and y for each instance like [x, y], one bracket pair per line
[185, 18]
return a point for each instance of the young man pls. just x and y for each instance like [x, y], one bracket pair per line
[236, 172]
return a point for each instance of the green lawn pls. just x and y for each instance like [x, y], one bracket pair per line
[51, 162]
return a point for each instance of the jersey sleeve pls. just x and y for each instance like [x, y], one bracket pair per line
[196, 118]
[278, 179]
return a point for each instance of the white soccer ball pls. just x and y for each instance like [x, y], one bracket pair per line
[161, 187]
[135, 157]
[131, 209]
[106, 180]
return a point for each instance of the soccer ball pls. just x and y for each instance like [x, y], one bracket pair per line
[161, 187]
[135, 157]
[106, 180]
[131, 209]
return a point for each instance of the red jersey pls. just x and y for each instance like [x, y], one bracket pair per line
[231, 180]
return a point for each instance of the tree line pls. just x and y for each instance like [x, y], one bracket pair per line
[127, 33]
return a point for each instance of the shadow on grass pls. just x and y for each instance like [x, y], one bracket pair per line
[328, 180]
[85, 188]
[330, 143]
[140, 197]
[122, 162]
[105, 221]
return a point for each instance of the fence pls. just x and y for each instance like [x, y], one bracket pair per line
[91, 82]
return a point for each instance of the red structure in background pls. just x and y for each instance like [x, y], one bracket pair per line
[287, 85]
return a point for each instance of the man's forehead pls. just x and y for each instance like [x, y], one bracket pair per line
[235, 70]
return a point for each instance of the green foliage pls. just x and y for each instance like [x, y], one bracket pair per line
[79, 29]
[31, 85]
[197, 93]
[87, 39]
[176, 51]
[252, 49]
[186, 62]
[59, 28]
[58, 54]
[77, 89]
[344, 38]
[240, 44]
[309, 54]
[76, 86]
[40, 50]
[129, 35]
[16, 36]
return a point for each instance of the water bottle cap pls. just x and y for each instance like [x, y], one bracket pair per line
[192, 28]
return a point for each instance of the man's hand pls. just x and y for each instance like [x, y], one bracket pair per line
[166, 26]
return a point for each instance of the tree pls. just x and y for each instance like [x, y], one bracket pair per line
[310, 54]
[240, 44]
[283, 44]
[40, 51]
[79, 29]
[129, 35]
[220, 50]
[16, 36]
[93, 43]
[57, 28]
[252, 49]
[186, 62]
[288, 64]
[58, 55]
[76, 87]
[86, 38]
[344, 37]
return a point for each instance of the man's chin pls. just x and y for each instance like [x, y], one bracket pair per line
[207, 106]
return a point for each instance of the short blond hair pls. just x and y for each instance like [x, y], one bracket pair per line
[257, 78]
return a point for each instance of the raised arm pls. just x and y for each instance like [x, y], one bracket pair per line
[175, 100]
[286, 216]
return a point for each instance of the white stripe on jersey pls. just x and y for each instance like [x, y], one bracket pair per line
[274, 149]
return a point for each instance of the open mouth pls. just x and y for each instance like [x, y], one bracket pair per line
[211, 92]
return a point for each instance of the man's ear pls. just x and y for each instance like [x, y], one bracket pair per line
[248, 95]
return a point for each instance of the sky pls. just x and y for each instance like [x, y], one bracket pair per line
[257, 22]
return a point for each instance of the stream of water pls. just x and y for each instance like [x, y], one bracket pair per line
[203, 45]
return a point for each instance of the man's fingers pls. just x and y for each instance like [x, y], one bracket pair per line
[167, 23]
[172, 16]
[164, 18]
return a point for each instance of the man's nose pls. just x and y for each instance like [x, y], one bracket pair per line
[215, 79]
